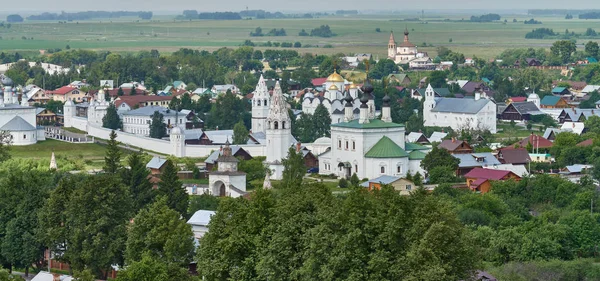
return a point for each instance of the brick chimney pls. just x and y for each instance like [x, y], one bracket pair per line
[298, 146]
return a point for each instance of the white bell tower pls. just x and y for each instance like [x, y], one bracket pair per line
[260, 106]
[177, 140]
[279, 133]
[429, 104]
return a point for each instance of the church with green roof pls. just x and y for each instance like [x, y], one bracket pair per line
[370, 147]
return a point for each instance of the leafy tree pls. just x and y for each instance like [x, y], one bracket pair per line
[591, 49]
[136, 178]
[150, 268]
[293, 169]
[158, 128]
[592, 124]
[111, 120]
[254, 168]
[175, 104]
[171, 187]
[563, 49]
[160, 232]
[240, 133]
[442, 174]
[5, 140]
[383, 68]
[202, 202]
[322, 122]
[112, 159]
[96, 237]
[437, 79]
[22, 195]
[439, 157]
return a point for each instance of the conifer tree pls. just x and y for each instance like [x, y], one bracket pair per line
[158, 128]
[132, 92]
[171, 187]
[136, 178]
[112, 160]
[322, 122]
[120, 92]
[111, 120]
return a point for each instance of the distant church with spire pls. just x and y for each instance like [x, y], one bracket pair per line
[405, 52]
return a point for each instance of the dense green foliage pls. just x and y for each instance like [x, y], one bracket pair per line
[309, 234]
[240, 133]
[172, 189]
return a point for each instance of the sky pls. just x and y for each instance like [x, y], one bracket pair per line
[162, 6]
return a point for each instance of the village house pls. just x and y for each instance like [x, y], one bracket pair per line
[576, 115]
[475, 160]
[222, 89]
[44, 117]
[402, 185]
[455, 146]
[536, 142]
[480, 179]
[69, 92]
[551, 101]
[399, 78]
[561, 91]
[515, 156]
[199, 222]
[527, 62]
[419, 138]
[520, 111]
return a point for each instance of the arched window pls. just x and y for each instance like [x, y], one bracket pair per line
[269, 125]
[276, 125]
[283, 124]
[382, 170]
[265, 102]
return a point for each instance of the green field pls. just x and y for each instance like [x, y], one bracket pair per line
[85, 155]
[355, 34]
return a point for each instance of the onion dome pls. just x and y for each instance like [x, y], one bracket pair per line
[333, 87]
[335, 77]
[386, 100]
[348, 98]
[353, 86]
[6, 81]
[406, 31]
[176, 131]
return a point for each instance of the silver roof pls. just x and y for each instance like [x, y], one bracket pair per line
[459, 105]
[18, 124]
[149, 110]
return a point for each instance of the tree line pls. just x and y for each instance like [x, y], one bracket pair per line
[89, 15]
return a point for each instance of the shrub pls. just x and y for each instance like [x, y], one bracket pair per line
[343, 183]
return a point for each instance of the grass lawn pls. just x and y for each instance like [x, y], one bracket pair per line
[505, 130]
[196, 181]
[74, 130]
[83, 155]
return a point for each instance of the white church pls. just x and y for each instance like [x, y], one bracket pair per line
[370, 147]
[459, 113]
[334, 90]
[18, 119]
[405, 52]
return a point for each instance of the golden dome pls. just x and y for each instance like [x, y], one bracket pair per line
[335, 77]
[353, 86]
[333, 87]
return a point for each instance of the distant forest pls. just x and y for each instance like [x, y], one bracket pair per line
[546, 12]
[89, 15]
[259, 14]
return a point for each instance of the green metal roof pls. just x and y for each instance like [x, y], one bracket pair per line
[417, 155]
[558, 90]
[386, 148]
[373, 124]
[550, 100]
[409, 146]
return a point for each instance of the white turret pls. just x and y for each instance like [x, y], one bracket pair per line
[533, 97]
[177, 140]
[279, 133]
[260, 106]
[429, 103]
[69, 112]
[101, 97]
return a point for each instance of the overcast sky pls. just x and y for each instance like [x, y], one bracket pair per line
[161, 6]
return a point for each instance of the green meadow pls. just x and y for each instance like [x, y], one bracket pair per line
[355, 34]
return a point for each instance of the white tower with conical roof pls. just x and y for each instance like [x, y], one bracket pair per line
[279, 133]
[260, 106]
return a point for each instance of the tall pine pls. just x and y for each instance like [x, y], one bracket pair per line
[111, 120]
[322, 121]
[132, 92]
[136, 178]
[158, 128]
[112, 160]
[120, 92]
[171, 187]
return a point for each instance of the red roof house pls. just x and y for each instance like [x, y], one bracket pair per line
[587, 142]
[479, 179]
[536, 142]
[515, 156]
[318, 82]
